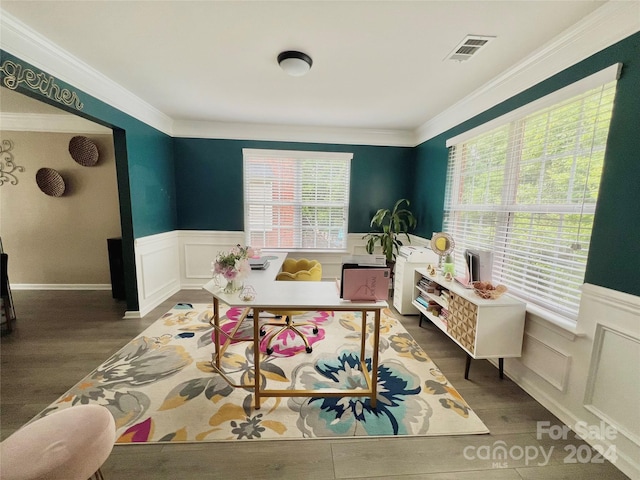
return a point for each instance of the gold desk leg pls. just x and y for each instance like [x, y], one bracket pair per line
[256, 356]
[216, 335]
[216, 358]
[374, 363]
[363, 337]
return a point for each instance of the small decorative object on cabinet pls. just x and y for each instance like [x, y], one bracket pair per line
[483, 328]
[448, 265]
[442, 243]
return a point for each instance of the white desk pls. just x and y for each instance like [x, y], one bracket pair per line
[307, 296]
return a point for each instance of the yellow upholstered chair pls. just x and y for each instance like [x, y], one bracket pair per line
[302, 270]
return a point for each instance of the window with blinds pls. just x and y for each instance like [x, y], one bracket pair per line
[527, 191]
[296, 200]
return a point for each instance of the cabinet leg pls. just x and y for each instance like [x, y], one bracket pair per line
[466, 367]
[421, 317]
[501, 367]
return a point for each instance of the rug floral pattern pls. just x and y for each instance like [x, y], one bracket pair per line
[160, 387]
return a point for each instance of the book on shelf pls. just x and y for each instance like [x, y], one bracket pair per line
[260, 263]
[422, 301]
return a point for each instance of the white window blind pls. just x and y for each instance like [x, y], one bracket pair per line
[296, 200]
[527, 190]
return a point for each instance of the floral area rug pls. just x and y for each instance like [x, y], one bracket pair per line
[161, 387]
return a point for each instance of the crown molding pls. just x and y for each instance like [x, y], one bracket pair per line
[612, 22]
[51, 123]
[293, 133]
[28, 45]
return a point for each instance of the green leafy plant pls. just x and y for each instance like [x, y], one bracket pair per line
[390, 225]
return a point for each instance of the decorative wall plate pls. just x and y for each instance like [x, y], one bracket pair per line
[50, 182]
[83, 151]
[442, 243]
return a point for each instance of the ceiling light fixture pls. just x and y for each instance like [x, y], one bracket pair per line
[295, 63]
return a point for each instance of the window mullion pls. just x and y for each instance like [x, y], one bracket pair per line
[509, 190]
[297, 208]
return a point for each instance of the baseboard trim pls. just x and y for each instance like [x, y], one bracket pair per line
[61, 286]
[149, 306]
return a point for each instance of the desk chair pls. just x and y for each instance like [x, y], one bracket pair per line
[302, 270]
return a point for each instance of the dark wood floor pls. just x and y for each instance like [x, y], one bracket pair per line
[61, 336]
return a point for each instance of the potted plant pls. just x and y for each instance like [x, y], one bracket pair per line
[390, 225]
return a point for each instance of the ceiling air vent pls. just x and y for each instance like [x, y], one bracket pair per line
[468, 47]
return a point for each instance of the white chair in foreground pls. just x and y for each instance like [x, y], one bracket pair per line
[70, 444]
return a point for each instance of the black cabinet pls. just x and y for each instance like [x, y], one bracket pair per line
[8, 314]
[116, 266]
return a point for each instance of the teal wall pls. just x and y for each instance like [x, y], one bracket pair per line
[209, 180]
[614, 256]
[431, 170]
[144, 169]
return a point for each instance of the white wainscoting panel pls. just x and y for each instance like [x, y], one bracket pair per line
[546, 361]
[197, 260]
[609, 397]
[197, 249]
[601, 370]
[158, 269]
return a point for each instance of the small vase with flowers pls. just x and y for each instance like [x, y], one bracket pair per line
[230, 268]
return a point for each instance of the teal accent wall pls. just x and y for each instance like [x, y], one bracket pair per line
[144, 163]
[431, 169]
[151, 176]
[209, 180]
[614, 255]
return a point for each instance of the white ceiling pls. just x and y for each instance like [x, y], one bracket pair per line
[376, 64]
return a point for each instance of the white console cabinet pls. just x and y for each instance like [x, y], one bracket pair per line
[483, 328]
[408, 259]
